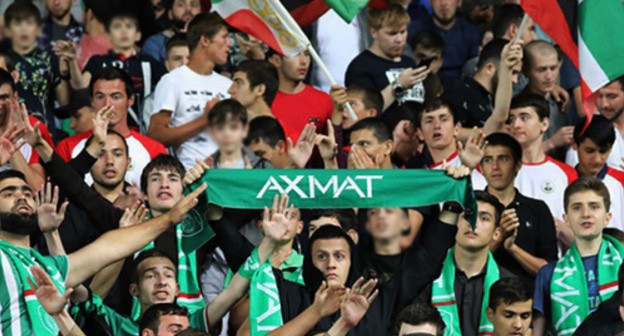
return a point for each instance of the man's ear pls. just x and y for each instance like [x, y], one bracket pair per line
[259, 90]
[354, 236]
[280, 146]
[276, 60]
[133, 289]
[490, 314]
[299, 226]
[16, 77]
[497, 234]
[137, 36]
[388, 146]
[545, 124]
[372, 112]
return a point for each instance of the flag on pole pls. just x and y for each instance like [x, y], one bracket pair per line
[588, 31]
[306, 11]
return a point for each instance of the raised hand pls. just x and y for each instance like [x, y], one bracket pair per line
[512, 54]
[410, 76]
[359, 159]
[196, 172]
[472, 153]
[48, 295]
[275, 223]
[327, 143]
[327, 300]
[46, 200]
[10, 142]
[100, 123]
[134, 215]
[251, 48]
[65, 50]
[301, 152]
[455, 172]
[183, 206]
[32, 134]
[357, 301]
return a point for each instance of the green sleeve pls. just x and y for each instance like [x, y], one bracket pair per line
[116, 323]
[198, 319]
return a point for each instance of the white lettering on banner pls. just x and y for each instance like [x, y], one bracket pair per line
[315, 187]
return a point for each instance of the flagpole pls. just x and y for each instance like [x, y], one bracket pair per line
[285, 16]
[523, 23]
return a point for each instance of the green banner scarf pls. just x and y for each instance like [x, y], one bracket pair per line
[22, 259]
[443, 296]
[337, 188]
[265, 311]
[568, 287]
[191, 234]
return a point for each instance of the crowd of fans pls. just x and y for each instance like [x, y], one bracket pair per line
[111, 113]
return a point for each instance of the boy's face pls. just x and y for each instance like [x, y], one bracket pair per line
[110, 168]
[23, 33]
[275, 155]
[82, 120]
[511, 319]
[366, 140]
[543, 73]
[177, 57]
[333, 258]
[386, 223]
[169, 325]
[157, 282]
[219, 47]
[58, 8]
[390, 39]
[295, 68]
[355, 99]
[164, 189]
[317, 223]
[439, 129]
[484, 231]
[241, 90]
[591, 158]
[586, 215]
[525, 125]
[123, 33]
[230, 135]
[420, 53]
[498, 167]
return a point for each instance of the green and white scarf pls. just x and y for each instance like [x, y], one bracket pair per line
[443, 296]
[265, 311]
[40, 322]
[192, 233]
[568, 287]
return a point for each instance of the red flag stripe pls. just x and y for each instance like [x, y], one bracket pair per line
[247, 21]
[438, 304]
[310, 12]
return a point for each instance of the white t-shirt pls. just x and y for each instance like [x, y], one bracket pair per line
[546, 181]
[615, 157]
[478, 180]
[185, 93]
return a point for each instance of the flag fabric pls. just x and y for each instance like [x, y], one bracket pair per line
[347, 9]
[588, 33]
[308, 11]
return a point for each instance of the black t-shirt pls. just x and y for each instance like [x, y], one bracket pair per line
[536, 235]
[472, 103]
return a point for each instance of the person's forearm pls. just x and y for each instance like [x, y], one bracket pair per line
[44, 150]
[104, 280]
[113, 246]
[82, 163]
[34, 178]
[173, 136]
[300, 325]
[530, 263]
[331, 164]
[94, 148]
[226, 299]
[66, 325]
[465, 133]
[578, 102]
[236, 248]
[388, 96]
[502, 101]
[77, 81]
[62, 92]
[55, 245]
[565, 236]
[340, 328]
[539, 326]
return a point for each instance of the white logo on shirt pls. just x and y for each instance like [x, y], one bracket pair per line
[548, 187]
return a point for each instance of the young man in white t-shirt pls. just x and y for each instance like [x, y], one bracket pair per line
[541, 176]
[185, 95]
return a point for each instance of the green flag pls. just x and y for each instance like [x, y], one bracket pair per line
[347, 9]
[337, 188]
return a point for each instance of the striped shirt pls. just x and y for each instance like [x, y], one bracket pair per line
[14, 319]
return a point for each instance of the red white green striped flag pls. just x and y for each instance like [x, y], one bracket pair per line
[589, 32]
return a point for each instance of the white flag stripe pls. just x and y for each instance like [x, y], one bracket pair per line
[591, 72]
[12, 289]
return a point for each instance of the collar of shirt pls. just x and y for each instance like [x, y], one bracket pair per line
[601, 174]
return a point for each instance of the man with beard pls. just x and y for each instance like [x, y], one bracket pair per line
[180, 14]
[60, 24]
[20, 314]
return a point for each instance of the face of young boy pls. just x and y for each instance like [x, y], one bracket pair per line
[525, 126]
[360, 110]
[23, 33]
[230, 135]
[177, 57]
[123, 33]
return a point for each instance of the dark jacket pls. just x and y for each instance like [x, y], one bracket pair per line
[606, 320]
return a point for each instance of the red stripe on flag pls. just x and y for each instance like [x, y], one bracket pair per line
[29, 292]
[609, 285]
[247, 21]
[310, 12]
[438, 304]
[189, 296]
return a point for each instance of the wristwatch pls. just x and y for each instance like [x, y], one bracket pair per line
[453, 207]
[397, 89]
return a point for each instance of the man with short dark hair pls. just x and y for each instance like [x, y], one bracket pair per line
[164, 319]
[429, 46]
[510, 306]
[184, 96]
[419, 319]
[266, 139]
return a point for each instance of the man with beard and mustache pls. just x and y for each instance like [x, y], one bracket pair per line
[60, 24]
[180, 14]
[610, 103]
[383, 66]
[20, 314]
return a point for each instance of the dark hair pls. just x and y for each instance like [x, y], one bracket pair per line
[381, 130]
[12, 173]
[418, 314]
[102, 10]
[399, 112]
[346, 217]
[261, 72]
[177, 40]
[192, 332]
[587, 183]
[537, 102]
[113, 132]
[370, 98]
[266, 129]
[123, 15]
[164, 162]
[428, 40]
[600, 131]
[6, 78]
[225, 110]
[505, 16]
[151, 318]
[203, 24]
[620, 80]
[21, 10]
[484, 197]
[509, 291]
[111, 74]
[8, 59]
[507, 141]
[491, 53]
[144, 255]
[434, 105]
